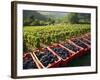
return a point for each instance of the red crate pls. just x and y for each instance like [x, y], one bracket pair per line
[81, 52]
[63, 61]
[74, 54]
[26, 56]
[89, 45]
[54, 64]
[85, 49]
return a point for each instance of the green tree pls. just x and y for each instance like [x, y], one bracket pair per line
[50, 21]
[32, 18]
[26, 22]
[73, 18]
[84, 18]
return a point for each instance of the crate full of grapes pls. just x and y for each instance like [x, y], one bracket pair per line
[29, 62]
[62, 52]
[80, 43]
[85, 41]
[46, 58]
[72, 48]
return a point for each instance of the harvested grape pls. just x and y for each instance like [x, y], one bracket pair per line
[29, 63]
[46, 57]
[61, 52]
[71, 47]
[79, 43]
[85, 41]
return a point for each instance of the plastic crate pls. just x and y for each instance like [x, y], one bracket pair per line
[65, 60]
[54, 64]
[86, 42]
[79, 53]
[85, 49]
[26, 56]
[74, 53]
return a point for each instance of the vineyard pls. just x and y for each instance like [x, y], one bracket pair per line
[54, 39]
[59, 54]
[37, 36]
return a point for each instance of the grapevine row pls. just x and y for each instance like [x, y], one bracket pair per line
[34, 36]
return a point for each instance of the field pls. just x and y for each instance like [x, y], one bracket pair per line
[34, 36]
[56, 39]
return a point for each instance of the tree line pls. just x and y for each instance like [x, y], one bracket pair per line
[71, 18]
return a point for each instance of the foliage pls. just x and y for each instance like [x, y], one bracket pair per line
[35, 35]
[73, 18]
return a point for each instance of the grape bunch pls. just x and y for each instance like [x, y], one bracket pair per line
[85, 41]
[29, 63]
[71, 47]
[46, 57]
[61, 52]
[79, 43]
